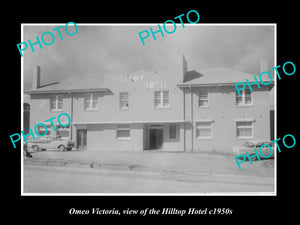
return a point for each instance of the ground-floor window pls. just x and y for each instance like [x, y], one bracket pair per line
[204, 129]
[63, 131]
[244, 129]
[41, 130]
[123, 131]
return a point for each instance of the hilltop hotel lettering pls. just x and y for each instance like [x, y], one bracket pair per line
[140, 78]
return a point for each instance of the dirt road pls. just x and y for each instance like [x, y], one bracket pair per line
[60, 179]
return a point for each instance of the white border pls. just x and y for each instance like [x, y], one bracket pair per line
[22, 117]
[275, 108]
[157, 194]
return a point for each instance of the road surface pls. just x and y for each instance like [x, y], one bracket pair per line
[60, 179]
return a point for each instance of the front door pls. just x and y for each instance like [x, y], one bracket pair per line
[81, 138]
[156, 138]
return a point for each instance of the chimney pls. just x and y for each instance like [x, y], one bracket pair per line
[264, 65]
[184, 65]
[36, 78]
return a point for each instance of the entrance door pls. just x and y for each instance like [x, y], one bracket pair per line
[156, 137]
[81, 138]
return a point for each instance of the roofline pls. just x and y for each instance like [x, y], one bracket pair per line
[211, 84]
[206, 85]
[130, 122]
[37, 91]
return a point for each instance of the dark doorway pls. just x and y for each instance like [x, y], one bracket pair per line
[156, 138]
[26, 116]
[81, 138]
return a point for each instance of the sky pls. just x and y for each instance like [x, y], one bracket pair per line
[103, 50]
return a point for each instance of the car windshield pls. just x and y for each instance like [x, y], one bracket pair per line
[249, 144]
[48, 138]
[259, 144]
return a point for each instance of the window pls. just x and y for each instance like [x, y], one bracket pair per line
[123, 131]
[42, 130]
[239, 99]
[244, 129]
[172, 131]
[56, 103]
[204, 129]
[124, 102]
[91, 102]
[161, 99]
[245, 98]
[63, 131]
[248, 97]
[203, 98]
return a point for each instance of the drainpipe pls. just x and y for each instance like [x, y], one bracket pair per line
[71, 127]
[192, 119]
[184, 124]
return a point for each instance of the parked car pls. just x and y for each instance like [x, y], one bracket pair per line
[25, 151]
[50, 142]
[249, 147]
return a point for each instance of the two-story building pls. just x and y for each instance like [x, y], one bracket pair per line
[197, 110]
[218, 118]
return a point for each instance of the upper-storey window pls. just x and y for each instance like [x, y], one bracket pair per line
[245, 98]
[203, 98]
[91, 102]
[124, 100]
[56, 103]
[161, 99]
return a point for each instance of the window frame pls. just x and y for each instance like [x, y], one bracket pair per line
[201, 95]
[42, 128]
[120, 128]
[197, 127]
[59, 127]
[251, 126]
[56, 101]
[243, 98]
[121, 101]
[91, 102]
[162, 99]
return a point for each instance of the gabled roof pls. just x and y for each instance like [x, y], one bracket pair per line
[107, 82]
[201, 77]
[218, 76]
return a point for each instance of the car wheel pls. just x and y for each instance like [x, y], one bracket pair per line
[62, 147]
[35, 148]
